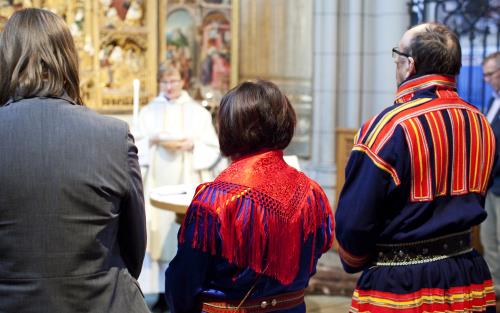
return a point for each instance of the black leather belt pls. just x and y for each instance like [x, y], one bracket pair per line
[424, 251]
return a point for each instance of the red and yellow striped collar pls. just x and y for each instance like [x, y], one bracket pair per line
[407, 88]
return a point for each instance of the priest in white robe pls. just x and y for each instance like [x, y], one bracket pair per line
[179, 146]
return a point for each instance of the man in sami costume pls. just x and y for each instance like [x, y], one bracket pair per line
[415, 185]
[251, 238]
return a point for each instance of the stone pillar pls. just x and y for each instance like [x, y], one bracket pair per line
[326, 73]
[353, 71]
[331, 57]
[275, 43]
[386, 21]
[368, 32]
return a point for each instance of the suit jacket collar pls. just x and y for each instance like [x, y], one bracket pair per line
[64, 97]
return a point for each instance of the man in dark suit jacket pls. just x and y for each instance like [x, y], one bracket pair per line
[490, 229]
[72, 224]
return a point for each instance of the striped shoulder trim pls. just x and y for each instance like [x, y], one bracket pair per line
[386, 118]
[377, 141]
[381, 164]
[363, 131]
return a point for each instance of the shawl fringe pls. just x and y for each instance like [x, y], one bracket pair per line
[254, 232]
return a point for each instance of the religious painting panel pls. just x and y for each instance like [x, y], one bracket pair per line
[197, 38]
[181, 43]
[215, 71]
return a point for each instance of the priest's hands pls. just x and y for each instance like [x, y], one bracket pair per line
[178, 145]
[174, 145]
[171, 142]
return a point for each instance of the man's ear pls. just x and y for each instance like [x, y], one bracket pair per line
[412, 66]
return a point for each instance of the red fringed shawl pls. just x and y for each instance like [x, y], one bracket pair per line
[263, 210]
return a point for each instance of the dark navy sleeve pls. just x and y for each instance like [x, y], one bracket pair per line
[188, 272]
[370, 178]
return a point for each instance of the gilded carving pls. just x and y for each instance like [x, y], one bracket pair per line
[122, 13]
[125, 52]
[121, 58]
[116, 42]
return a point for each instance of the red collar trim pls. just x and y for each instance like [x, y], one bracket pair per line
[267, 173]
[423, 82]
[260, 153]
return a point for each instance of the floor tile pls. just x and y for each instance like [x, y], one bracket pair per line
[327, 304]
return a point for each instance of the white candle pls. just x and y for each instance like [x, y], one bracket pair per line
[135, 112]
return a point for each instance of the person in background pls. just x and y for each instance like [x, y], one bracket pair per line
[73, 233]
[415, 185]
[252, 237]
[181, 147]
[490, 229]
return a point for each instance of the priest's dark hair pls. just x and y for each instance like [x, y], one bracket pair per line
[37, 57]
[254, 116]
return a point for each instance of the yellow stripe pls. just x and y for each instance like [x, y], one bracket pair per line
[457, 132]
[489, 150]
[356, 137]
[419, 148]
[476, 125]
[377, 163]
[460, 297]
[440, 144]
[384, 120]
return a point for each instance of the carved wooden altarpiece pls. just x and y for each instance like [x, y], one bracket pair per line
[116, 41]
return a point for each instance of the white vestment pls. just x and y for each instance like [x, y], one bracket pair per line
[182, 118]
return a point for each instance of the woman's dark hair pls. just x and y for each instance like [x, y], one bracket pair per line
[37, 57]
[254, 116]
[436, 50]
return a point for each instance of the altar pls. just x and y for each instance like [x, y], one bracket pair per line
[174, 198]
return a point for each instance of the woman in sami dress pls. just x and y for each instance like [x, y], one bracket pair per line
[252, 237]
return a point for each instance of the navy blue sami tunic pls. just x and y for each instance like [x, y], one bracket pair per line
[418, 170]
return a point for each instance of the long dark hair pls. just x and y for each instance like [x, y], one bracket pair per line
[37, 57]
